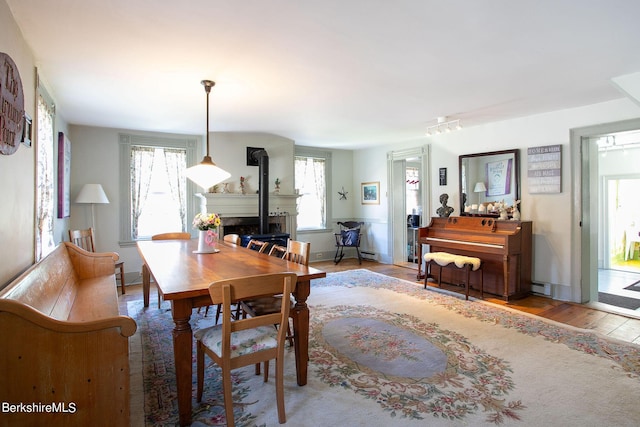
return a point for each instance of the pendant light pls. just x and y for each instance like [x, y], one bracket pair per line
[207, 174]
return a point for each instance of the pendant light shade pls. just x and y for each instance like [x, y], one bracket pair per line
[207, 174]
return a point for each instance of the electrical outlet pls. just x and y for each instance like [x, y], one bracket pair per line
[319, 255]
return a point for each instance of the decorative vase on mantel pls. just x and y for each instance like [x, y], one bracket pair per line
[207, 241]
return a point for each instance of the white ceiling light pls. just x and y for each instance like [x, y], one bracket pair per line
[444, 125]
[207, 174]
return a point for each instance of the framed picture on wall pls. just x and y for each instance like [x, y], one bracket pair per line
[64, 174]
[370, 193]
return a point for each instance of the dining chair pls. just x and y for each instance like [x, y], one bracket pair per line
[173, 235]
[232, 238]
[237, 343]
[84, 239]
[297, 252]
[258, 245]
[278, 251]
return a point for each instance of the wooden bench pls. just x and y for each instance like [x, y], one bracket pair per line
[64, 343]
[447, 260]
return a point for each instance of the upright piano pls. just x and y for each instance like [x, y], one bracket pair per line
[504, 246]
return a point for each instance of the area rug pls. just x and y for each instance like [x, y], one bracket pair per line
[384, 351]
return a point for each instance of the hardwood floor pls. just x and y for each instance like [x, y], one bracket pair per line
[618, 326]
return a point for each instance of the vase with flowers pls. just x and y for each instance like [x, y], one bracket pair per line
[207, 224]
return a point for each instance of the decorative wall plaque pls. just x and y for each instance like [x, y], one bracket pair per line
[544, 169]
[11, 106]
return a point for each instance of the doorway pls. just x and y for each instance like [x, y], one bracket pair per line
[607, 156]
[408, 195]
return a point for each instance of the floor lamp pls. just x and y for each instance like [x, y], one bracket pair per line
[93, 194]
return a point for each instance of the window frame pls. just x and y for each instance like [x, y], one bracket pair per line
[190, 144]
[326, 156]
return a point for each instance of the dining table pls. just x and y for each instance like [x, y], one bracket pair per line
[183, 276]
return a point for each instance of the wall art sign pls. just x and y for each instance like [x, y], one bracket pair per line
[544, 169]
[64, 173]
[11, 106]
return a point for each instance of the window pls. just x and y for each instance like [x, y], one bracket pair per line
[154, 190]
[311, 181]
[45, 198]
[158, 187]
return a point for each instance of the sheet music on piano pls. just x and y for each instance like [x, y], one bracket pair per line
[504, 246]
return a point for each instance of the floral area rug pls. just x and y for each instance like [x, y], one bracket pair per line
[385, 351]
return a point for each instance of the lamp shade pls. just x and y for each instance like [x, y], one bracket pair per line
[92, 193]
[206, 174]
[479, 188]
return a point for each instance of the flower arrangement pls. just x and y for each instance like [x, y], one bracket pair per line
[206, 221]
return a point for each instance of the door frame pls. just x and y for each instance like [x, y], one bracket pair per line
[397, 230]
[585, 214]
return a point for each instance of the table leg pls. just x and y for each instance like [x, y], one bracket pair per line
[301, 330]
[146, 284]
[182, 354]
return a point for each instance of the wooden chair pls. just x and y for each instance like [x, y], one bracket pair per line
[233, 343]
[297, 252]
[277, 250]
[257, 245]
[232, 238]
[84, 239]
[174, 235]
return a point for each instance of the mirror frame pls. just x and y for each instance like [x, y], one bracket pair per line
[516, 171]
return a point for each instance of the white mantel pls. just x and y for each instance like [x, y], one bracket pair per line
[246, 205]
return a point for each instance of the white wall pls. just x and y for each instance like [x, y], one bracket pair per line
[551, 214]
[17, 171]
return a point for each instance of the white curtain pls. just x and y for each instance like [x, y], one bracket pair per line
[44, 179]
[176, 164]
[141, 165]
[310, 181]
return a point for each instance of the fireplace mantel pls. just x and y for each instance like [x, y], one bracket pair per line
[229, 205]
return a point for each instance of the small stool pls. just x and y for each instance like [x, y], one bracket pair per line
[445, 259]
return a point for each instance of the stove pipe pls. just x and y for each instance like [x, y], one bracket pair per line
[262, 158]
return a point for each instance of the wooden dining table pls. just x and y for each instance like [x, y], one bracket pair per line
[183, 278]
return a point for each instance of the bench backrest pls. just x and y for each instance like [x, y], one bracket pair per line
[49, 286]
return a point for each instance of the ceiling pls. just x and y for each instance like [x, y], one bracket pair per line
[331, 73]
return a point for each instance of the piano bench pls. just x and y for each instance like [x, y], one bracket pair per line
[461, 262]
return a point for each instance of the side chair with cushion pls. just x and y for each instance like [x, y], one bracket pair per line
[297, 252]
[84, 239]
[237, 343]
[174, 235]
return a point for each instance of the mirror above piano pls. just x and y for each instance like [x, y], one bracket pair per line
[487, 179]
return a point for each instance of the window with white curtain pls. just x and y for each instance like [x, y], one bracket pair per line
[158, 187]
[311, 181]
[154, 189]
[45, 168]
